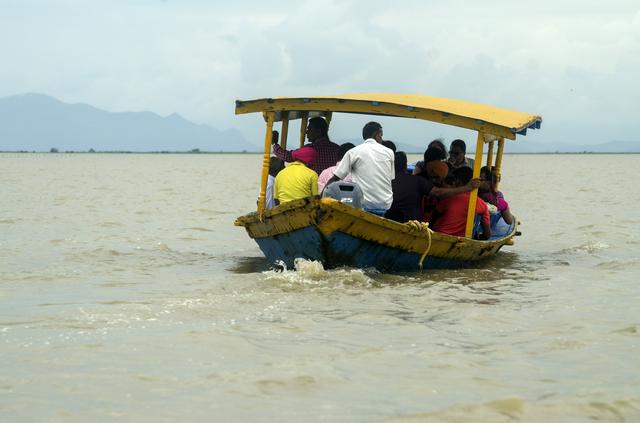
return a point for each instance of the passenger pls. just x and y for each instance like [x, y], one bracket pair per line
[317, 135]
[488, 192]
[275, 166]
[431, 154]
[372, 169]
[408, 191]
[328, 172]
[297, 180]
[453, 210]
[389, 144]
[436, 173]
[457, 152]
[439, 144]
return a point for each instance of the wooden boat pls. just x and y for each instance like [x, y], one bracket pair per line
[337, 234]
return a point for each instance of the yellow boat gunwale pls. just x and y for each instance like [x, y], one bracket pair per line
[329, 215]
[484, 118]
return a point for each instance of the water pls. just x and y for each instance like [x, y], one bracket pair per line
[127, 294]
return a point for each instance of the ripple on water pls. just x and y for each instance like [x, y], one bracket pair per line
[590, 247]
[518, 409]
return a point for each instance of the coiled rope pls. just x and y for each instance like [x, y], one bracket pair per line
[417, 227]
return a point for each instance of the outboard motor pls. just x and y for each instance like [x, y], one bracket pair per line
[345, 192]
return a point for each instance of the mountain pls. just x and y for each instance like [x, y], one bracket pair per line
[36, 122]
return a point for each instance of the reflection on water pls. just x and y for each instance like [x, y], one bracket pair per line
[130, 292]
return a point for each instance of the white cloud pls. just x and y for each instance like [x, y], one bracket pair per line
[572, 62]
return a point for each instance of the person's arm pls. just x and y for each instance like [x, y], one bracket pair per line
[485, 219]
[282, 154]
[486, 230]
[507, 216]
[344, 169]
[442, 193]
[334, 178]
[419, 167]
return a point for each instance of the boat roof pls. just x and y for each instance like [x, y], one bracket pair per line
[480, 117]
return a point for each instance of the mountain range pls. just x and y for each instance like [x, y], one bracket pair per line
[36, 122]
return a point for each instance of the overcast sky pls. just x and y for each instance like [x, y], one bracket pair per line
[576, 63]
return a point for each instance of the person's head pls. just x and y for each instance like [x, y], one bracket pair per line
[434, 153]
[463, 175]
[306, 155]
[437, 171]
[438, 143]
[457, 150]
[275, 166]
[372, 130]
[389, 144]
[400, 162]
[274, 137]
[488, 179]
[449, 181]
[317, 128]
[344, 148]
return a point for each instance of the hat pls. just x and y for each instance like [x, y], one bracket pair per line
[306, 155]
[437, 168]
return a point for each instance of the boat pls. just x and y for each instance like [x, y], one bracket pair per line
[337, 234]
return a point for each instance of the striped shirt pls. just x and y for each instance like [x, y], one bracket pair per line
[328, 154]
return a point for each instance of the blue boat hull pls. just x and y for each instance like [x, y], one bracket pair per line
[341, 249]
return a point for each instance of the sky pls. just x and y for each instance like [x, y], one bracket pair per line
[575, 63]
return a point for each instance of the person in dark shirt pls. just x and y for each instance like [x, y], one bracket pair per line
[408, 191]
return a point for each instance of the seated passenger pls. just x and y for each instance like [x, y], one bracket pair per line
[436, 173]
[371, 167]
[328, 172]
[488, 192]
[275, 166]
[317, 135]
[432, 153]
[408, 191]
[457, 152]
[297, 180]
[453, 210]
[439, 144]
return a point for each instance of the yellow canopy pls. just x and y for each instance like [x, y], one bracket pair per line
[480, 117]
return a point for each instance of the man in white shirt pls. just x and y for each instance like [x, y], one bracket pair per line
[372, 169]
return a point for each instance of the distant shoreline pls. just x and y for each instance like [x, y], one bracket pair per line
[260, 153]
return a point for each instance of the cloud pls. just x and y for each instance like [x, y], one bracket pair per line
[569, 61]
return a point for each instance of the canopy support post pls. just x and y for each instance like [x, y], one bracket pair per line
[303, 127]
[498, 168]
[285, 130]
[490, 155]
[265, 162]
[328, 117]
[477, 164]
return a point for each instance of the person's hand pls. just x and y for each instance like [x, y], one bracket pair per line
[418, 168]
[473, 184]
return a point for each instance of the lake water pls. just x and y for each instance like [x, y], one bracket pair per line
[127, 294]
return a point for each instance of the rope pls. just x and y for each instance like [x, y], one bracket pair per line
[415, 226]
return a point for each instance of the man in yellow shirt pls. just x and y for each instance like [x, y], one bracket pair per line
[296, 180]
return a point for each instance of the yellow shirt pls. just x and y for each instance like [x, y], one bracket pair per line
[294, 182]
